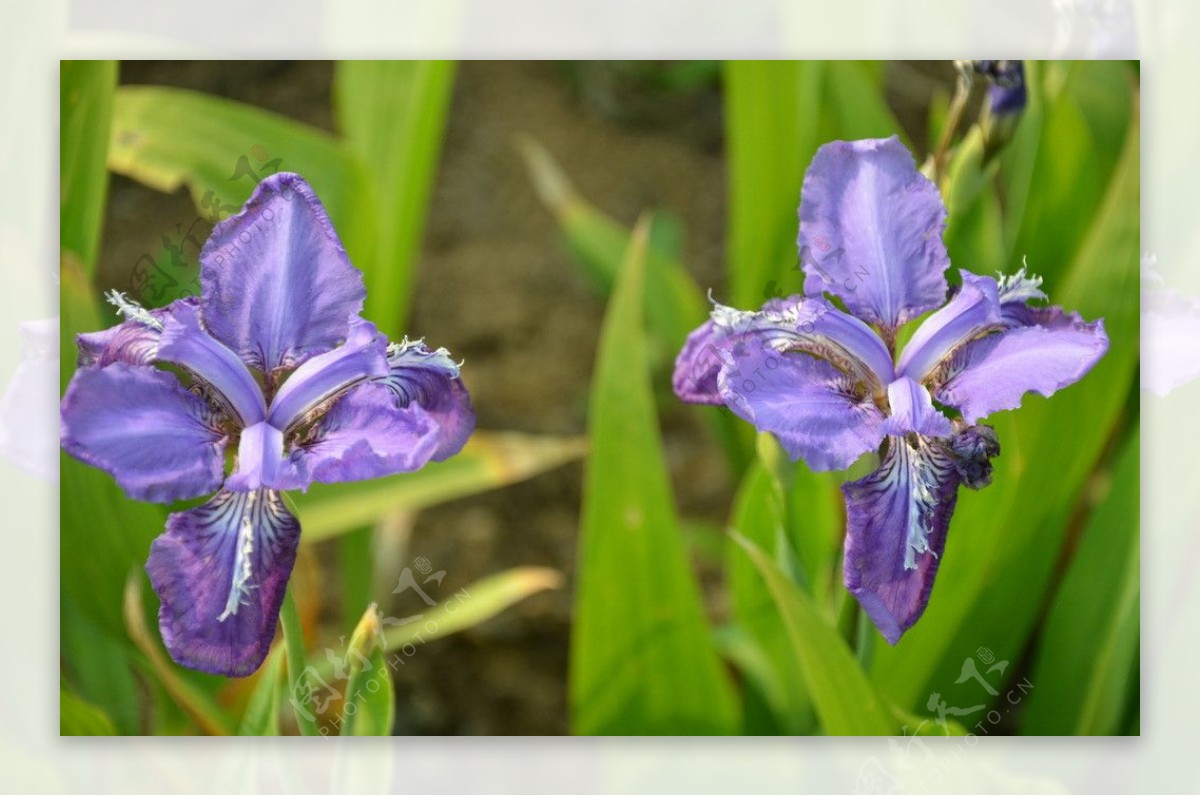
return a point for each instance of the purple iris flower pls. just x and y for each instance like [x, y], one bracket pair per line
[1006, 92]
[824, 379]
[274, 362]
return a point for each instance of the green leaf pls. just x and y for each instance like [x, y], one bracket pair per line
[261, 716]
[674, 304]
[771, 125]
[642, 661]
[844, 699]
[169, 138]
[469, 606]
[77, 717]
[392, 114]
[857, 108]
[758, 517]
[490, 460]
[1062, 157]
[194, 701]
[370, 704]
[85, 107]
[1085, 665]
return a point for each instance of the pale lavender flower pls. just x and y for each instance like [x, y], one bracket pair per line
[825, 382]
[271, 361]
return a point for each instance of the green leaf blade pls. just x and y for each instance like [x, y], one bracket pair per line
[641, 652]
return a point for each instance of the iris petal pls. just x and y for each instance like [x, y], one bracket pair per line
[133, 342]
[810, 406]
[912, 411]
[139, 424]
[186, 343]
[994, 373]
[277, 285]
[366, 435]
[430, 379]
[871, 231]
[972, 313]
[896, 523]
[363, 356]
[220, 572]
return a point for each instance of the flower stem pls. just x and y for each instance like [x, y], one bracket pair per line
[293, 641]
[958, 104]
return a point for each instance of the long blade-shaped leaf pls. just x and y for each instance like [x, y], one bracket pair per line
[490, 460]
[642, 661]
[261, 716]
[85, 104]
[845, 701]
[168, 138]
[1083, 671]
[771, 123]
[674, 304]
[392, 114]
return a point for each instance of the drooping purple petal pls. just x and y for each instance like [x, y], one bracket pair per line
[363, 356]
[220, 572]
[366, 435]
[871, 231]
[896, 523]
[132, 341]
[912, 411]
[186, 343]
[277, 285]
[993, 373]
[972, 313]
[695, 377]
[160, 442]
[794, 324]
[430, 378]
[815, 410]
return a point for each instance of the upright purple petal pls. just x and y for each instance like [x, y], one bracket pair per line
[325, 376]
[278, 287]
[186, 343]
[972, 313]
[991, 374]
[795, 324]
[160, 442]
[220, 572]
[871, 231]
[816, 411]
[896, 523]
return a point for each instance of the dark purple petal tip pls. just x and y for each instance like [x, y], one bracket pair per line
[220, 572]
[896, 523]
